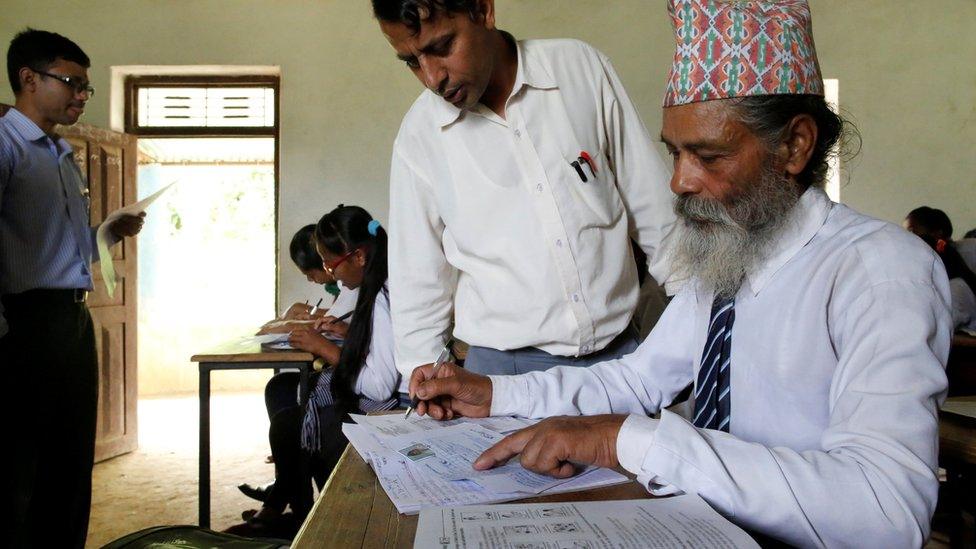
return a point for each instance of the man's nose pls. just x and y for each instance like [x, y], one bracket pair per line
[434, 77]
[685, 179]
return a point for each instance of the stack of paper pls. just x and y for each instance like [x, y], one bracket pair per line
[425, 463]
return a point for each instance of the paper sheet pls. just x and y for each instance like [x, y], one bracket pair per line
[101, 236]
[411, 484]
[680, 522]
[394, 425]
[449, 453]
[411, 489]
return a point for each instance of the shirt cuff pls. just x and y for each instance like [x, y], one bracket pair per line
[634, 441]
[509, 396]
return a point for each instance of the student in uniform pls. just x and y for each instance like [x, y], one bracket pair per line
[361, 375]
[281, 390]
[934, 227]
[306, 258]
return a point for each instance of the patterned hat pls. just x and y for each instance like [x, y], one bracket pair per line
[736, 48]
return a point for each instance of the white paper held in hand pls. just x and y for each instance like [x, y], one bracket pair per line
[101, 236]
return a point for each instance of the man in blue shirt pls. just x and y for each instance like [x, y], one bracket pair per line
[47, 343]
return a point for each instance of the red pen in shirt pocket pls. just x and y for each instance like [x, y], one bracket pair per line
[584, 159]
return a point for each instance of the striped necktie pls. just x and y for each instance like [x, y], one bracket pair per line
[713, 398]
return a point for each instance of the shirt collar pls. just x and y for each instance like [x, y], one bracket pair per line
[30, 131]
[806, 219]
[24, 126]
[531, 72]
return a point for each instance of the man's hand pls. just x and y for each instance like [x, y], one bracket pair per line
[128, 225]
[556, 446]
[455, 391]
[308, 339]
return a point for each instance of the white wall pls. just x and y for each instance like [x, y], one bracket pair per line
[905, 67]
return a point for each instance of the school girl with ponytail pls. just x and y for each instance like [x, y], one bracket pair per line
[361, 375]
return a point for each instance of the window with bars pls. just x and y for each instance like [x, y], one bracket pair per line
[199, 107]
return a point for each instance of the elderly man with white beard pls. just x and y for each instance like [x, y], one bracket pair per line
[815, 337]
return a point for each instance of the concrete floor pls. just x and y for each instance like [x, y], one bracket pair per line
[157, 484]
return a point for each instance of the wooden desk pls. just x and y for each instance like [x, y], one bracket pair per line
[243, 354]
[957, 454]
[354, 511]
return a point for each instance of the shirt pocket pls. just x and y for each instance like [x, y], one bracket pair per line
[592, 189]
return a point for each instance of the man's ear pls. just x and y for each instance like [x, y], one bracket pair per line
[486, 13]
[28, 78]
[798, 144]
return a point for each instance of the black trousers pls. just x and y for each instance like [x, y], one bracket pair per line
[295, 467]
[281, 391]
[49, 402]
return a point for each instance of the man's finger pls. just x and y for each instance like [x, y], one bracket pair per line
[418, 376]
[503, 451]
[542, 456]
[442, 386]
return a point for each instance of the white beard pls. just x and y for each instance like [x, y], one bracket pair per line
[719, 244]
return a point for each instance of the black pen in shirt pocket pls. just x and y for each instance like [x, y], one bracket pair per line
[582, 164]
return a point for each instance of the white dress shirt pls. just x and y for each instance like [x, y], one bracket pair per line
[379, 378]
[838, 355]
[490, 222]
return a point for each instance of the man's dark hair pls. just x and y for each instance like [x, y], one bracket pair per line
[408, 12]
[39, 50]
[769, 116]
[931, 221]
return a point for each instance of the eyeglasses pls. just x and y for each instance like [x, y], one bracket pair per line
[76, 83]
[331, 266]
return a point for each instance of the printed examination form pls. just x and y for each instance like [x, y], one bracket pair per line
[683, 521]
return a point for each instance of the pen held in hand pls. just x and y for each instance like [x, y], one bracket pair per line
[441, 359]
[343, 317]
[314, 309]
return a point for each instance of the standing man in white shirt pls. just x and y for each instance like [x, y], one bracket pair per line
[519, 177]
[816, 336]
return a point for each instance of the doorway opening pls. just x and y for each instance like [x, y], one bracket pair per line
[207, 271]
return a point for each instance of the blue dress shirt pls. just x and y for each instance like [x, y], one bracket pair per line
[45, 237]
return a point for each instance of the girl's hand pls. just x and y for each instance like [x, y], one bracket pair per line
[308, 339]
[298, 311]
[332, 326]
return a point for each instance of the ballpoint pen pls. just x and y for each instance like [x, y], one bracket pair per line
[314, 309]
[441, 359]
[343, 317]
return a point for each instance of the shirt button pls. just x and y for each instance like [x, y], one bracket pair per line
[586, 348]
[576, 298]
[518, 133]
[539, 187]
[559, 243]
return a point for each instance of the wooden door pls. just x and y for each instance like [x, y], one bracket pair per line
[109, 159]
